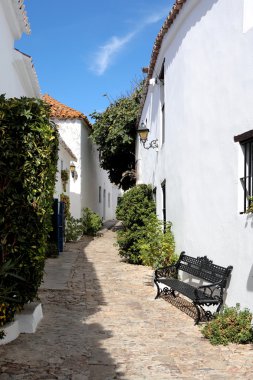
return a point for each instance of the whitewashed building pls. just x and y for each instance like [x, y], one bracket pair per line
[198, 105]
[65, 158]
[17, 74]
[89, 186]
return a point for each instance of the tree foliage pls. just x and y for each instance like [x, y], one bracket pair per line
[114, 132]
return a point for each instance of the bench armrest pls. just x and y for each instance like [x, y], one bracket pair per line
[169, 271]
[214, 290]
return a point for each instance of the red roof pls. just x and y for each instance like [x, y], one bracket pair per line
[158, 43]
[159, 39]
[21, 7]
[62, 112]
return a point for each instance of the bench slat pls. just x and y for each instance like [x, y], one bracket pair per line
[187, 290]
[202, 268]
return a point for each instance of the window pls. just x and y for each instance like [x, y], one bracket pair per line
[99, 194]
[161, 81]
[109, 200]
[154, 194]
[246, 141]
[163, 185]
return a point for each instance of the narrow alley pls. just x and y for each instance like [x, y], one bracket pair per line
[101, 322]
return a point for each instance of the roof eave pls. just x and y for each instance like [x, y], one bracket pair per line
[176, 8]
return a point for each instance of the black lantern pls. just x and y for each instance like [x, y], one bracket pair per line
[143, 132]
[72, 169]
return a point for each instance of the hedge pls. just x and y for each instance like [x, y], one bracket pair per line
[135, 207]
[28, 164]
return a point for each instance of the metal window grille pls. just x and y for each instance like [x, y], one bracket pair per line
[163, 124]
[99, 194]
[154, 195]
[247, 179]
[164, 204]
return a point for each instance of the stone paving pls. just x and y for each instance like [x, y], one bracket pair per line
[101, 322]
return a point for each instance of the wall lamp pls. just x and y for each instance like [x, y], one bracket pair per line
[72, 169]
[143, 133]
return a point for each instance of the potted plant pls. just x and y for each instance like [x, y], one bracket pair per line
[64, 178]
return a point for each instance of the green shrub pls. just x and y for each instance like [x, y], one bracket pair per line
[250, 206]
[65, 198]
[10, 295]
[28, 164]
[7, 312]
[73, 229]
[157, 249]
[91, 222]
[133, 210]
[2, 334]
[232, 325]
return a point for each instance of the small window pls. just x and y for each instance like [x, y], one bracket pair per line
[162, 102]
[163, 123]
[154, 194]
[246, 141]
[161, 75]
[163, 185]
[99, 194]
[109, 200]
[247, 179]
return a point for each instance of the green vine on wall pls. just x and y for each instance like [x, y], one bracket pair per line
[65, 198]
[64, 178]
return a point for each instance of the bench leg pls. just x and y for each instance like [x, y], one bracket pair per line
[158, 290]
[219, 307]
[197, 320]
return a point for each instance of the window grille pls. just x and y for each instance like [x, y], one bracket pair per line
[246, 141]
[99, 194]
[163, 185]
[247, 179]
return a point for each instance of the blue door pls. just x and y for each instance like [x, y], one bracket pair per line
[58, 224]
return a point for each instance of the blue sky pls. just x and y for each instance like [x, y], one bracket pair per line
[85, 49]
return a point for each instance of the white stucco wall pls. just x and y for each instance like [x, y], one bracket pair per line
[64, 160]
[106, 205]
[208, 100]
[84, 191]
[17, 75]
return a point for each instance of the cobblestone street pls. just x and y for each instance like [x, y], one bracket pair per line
[101, 322]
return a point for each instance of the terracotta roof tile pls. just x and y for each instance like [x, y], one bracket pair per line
[158, 42]
[62, 112]
[159, 39]
[21, 7]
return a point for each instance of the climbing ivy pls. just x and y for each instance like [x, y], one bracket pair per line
[28, 164]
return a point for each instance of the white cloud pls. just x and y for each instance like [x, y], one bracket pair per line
[109, 50]
[152, 19]
[106, 52]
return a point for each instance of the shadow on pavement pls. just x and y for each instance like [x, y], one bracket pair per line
[64, 346]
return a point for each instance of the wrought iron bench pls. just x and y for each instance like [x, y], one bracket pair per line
[203, 295]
